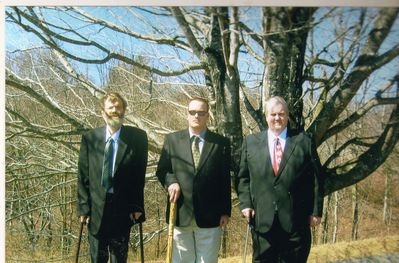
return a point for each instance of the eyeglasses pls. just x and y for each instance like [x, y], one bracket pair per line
[200, 113]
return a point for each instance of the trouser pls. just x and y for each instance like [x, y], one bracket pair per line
[192, 244]
[112, 240]
[279, 246]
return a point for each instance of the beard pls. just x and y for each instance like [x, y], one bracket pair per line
[114, 121]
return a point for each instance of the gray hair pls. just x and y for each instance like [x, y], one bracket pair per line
[275, 100]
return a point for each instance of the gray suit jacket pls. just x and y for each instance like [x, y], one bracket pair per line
[297, 190]
[206, 192]
[128, 181]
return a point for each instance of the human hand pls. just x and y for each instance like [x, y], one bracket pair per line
[84, 219]
[314, 221]
[174, 192]
[135, 216]
[224, 220]
[248, 213]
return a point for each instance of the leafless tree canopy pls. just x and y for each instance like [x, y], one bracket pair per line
[336, 67]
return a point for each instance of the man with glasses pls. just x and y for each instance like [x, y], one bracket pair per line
[194, 167]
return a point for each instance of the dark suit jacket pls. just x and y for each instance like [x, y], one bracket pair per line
[128, 181]
[208, 188]
[296, 191]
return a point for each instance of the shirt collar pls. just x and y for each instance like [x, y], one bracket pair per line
[201, 135]
[281, 136]
[114, 136]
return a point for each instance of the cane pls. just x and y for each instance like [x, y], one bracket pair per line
[79, 239]
[141, 242]
[244, 256]
[172, 218]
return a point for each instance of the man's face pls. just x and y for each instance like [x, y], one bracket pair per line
[197, 115]
[113, 113]
[277, 117]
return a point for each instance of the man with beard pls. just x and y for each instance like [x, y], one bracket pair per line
[111, 173]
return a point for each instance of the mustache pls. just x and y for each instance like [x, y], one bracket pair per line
[115, 114]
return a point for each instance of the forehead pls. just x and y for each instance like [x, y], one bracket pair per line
[197, 104]
[275, 106]
[113, 102]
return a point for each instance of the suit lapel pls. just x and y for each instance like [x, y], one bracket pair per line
[206, 149]
[122, 146]
[290, 144]
[265, 152]
[185, 147]
[101, 134]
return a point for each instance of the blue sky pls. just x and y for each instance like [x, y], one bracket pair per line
[162, 56]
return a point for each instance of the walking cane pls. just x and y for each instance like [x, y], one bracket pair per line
[141, 242]
[249, 226]
[172, 219]
[79, 239]
[244, 256]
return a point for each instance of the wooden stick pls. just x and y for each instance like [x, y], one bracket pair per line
[141, 242]
[172, 219]
[244, 256]
[79, 239]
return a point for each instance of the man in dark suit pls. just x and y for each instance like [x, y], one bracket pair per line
[280, 188]
[112, 165]
[194, 167]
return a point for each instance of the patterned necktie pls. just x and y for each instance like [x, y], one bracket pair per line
[278, 154]
[107, 164]
[195, 150]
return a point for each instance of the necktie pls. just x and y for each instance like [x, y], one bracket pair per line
[278, 154]
[195, 150]
[107, 164]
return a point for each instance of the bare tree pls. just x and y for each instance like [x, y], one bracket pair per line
[335, 66]
[207, 43]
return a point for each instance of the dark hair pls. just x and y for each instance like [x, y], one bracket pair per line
[201, 100]
[113, 96]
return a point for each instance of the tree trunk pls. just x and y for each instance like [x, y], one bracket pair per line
[386, 216]
[336, 217]
[224, 81]
[284, 54]
[325, 223]
[355, 213]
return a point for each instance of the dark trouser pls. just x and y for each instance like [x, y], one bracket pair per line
[113, 237]
[279, 246]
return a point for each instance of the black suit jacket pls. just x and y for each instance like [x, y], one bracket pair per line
[296, 191]
[128, 180]
[208, 188]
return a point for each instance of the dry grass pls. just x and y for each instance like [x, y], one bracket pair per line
[344, 250]
[357, 249]
[319, 254]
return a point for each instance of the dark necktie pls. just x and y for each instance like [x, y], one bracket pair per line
[195, 150]
[278, 154]
[107, 164]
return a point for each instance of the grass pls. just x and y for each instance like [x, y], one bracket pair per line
[344, 250]
[318, 254]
